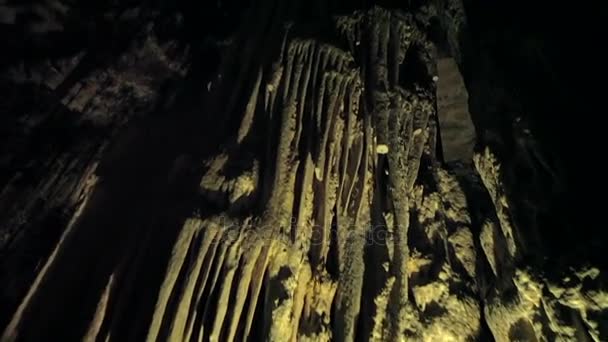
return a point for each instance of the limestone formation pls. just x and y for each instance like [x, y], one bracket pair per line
[301, 199]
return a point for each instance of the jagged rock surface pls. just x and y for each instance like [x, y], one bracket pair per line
[318, 210]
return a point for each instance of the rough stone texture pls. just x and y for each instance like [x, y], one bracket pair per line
[291, 192]
[455, 125]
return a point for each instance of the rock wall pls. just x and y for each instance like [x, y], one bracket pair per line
[293, 191]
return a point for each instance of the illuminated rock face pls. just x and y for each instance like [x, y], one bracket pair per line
[299, 196]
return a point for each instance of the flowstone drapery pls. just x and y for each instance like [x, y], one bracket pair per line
[318, 211]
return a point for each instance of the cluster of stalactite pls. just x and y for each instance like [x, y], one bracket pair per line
[326, 215]
[58, 119]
